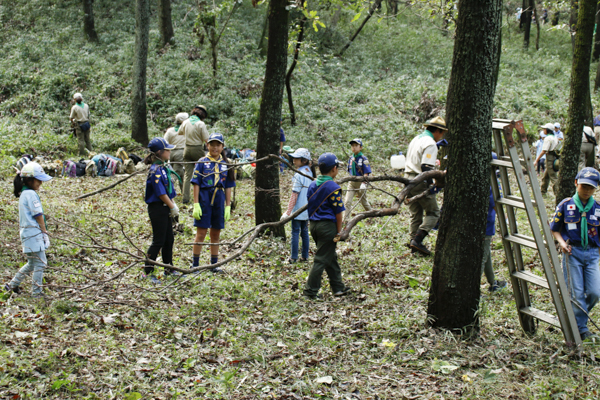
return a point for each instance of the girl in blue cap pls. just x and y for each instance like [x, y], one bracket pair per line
[32, 223]
[575, 227]
[160, 192]
[212, 182]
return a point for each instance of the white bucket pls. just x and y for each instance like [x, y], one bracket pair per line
[398, 162]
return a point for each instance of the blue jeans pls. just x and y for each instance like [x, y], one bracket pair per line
[584, 283]
[300, 228]
[36, 262]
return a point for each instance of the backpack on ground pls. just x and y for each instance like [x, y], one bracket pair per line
[136, 159]
[129, 166]
[100, 161]
[80, 167]
[111, 167]
[122, 154]
[91, 169]
[69, 169]
[26, 159]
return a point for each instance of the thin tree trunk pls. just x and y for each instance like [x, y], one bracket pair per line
[578, 111]
[597, 82]
[288, 76]
[88, 21]
[526, 20]
[267, 196]
[263, 42]
[165, 22]
[454, 293]
[139, 125]
[573, 21]
[537, 23]
[596, 54]
[374, 7]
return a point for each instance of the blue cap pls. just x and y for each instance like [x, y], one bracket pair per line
[159, 143]
[357, 141]
[216, 137]
[328, 160]
[34, 170]
[587, 176]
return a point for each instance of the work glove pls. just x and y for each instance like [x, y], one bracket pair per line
[46, 240]
[197, 214]
[363, 186]
[174, 211]
[284, 216]
[227, 213]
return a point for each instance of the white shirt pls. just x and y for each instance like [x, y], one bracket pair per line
[80, 114]
[421, 150]
[176, 140]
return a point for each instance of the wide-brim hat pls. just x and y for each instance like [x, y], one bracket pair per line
[301, 153]
[287, 149]
[548, 126]
[203, 108]
[437, 122]
[216, 137]
[34, 170]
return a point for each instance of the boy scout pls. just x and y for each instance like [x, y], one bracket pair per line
[549, 149]
[80, 120]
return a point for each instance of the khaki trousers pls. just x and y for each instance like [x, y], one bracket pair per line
[353, 189]
[83, 139]
[550, 176]
[177, 157]
[190, 154]
[426, 205]
[586, 159]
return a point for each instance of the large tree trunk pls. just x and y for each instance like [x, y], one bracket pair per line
[596, 54]
[526, 21]
[139, 125]
[88, 21]
[288, 76]
[578, 111]
[267, 196]
[454, 293]
[165, 22]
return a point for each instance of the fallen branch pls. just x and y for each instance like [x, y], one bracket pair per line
[83, 196]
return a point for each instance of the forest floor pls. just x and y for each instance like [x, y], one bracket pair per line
[250, 334]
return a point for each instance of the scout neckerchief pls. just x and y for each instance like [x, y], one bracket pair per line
[193, 119]
[177, 127]
[216, 173]
[426, 133]
[322, 179]
[82, 104]
[583, 210]
[24, 188]
[169, 172]
[355, 161]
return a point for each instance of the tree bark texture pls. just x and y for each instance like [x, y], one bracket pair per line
[578, 111]
[139, 124]
[454, 293]
[526, 21]
[263, 42]
[537, 24]
[573, 21]
[267, 203]
[88, 21]
[288, 76]
[165, 22]
[596, 54]
[597, 81]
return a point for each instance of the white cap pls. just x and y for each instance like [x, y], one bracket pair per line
[179, 118]
[548, 126]
[301, 153]
[76, 95]
[557, 125]
[34, 170]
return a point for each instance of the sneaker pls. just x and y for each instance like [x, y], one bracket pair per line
[313, 297]
[420, 247]
[292, 261]
[154, 279]
[590, 337]
[8, 288]
[498, 285]
[303, 260]
[217, 270]
[343, 292]
[172, 274]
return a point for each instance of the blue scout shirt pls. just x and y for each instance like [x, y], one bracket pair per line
[209, 173]
[157, 184]
[324, 201]
[300, 185]
[567, 221]
[30, 206]
[490, 228]
[360, 164]
[281, 135]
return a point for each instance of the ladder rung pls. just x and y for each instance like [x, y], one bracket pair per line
[532, 278]
[511, 202]
[515, 198]
[522, 240]
[501, 163]
[541, 315]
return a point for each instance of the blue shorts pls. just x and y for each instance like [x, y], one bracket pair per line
[212, 216]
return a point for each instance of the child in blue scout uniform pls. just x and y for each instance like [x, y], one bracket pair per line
[575, 227]
[32, 224]
[300, 183]
[325, 208]
[160, 192]
[212, 182]
[358, 165]
[490, 230]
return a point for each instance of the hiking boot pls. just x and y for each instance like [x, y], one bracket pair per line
[498, 285]
[8, 288]
[292, 261]
[343, 292]
[217, 270]
[417, 243]
[590, 337]
[313, 297]
[303, 260]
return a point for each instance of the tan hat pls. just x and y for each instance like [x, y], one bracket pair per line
[437, 122]
[548, 126]
[202, 108]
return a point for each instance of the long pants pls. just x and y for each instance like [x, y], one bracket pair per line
[427, 205]
[353, 189]
[586, 158]
[83, 139]
[550, 176]
[583, 280]
[323, 233]
[540, 167]
[177, 157]
[162, 235]
[486, 265]
[190, 154]
[36, 262]
[300, 228]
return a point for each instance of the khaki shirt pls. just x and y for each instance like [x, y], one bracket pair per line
[195, 135]
[173, 138]
[421, 150]
[80, 115]
[550, 143]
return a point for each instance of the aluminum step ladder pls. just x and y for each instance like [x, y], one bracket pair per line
[507, 204]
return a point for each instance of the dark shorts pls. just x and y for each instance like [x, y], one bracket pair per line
[212, 216]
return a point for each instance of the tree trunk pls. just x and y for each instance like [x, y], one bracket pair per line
[263, 42]
[165, 22]
[573, 21]
[596, 54]
[288, 76]
[267, 196]
[454, 293]
[372, 10]
[526, 21]
[139, 125]
[88, 21]
[578, 110]
[537, 23]
[597, 82]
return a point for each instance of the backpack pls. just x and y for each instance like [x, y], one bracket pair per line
[26, 159]
[91, 169]
[122, 154]
[69, 169]
[136, 159]
[111, 167]
[100, 161]
[129, 166]
[80, 168]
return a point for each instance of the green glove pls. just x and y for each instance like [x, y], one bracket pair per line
[197, 214]
[227, 213]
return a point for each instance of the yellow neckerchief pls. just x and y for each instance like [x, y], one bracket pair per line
[216, 173]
